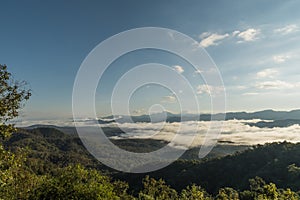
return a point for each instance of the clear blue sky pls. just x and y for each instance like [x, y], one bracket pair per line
[255, 44]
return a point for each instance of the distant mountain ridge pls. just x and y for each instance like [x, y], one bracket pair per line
[279, 119]
[275, 123]
[170, 117]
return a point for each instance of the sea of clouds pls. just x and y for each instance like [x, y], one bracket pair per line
[234, 132]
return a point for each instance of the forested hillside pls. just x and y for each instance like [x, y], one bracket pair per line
[50, 152]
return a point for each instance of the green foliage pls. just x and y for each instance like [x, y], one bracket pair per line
[293, 169]
[156, 189]
[16, 180]
[49, 149]
[194, 193]
[12, 96]
[288, 194]
[227, 193]
[75, 182]
[257, 185]
[246, 195]
[269, 161]
[259, 190]
[121, 190]
[269, 192]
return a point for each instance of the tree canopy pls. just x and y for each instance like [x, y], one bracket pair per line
[12, 96]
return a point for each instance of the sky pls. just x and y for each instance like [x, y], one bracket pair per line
[255, 45]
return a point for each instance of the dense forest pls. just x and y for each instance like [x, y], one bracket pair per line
[46, 163]
[49, 164]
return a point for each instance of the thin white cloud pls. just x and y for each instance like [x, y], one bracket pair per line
[198, 71]
[59, 122]
[204, 35]
[248, 35]
[267, 73]
[234, 33]
[281, 58]
[169, 99]
[209, 89]
[287, 29]
[250, 94]
[241, 87]
[179, 69]
[214, 39]
[276, 84]
[211, 39]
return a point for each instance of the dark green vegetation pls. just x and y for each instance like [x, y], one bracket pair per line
[45, 163]
[60, 165]
[273, 162]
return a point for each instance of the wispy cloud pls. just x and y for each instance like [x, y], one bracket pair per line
[250, 94]
[241, 87]
[168, 99]
[179, 69]
[248, 35]
[204, 35]
[209, 89]
[198, 71]
[276, 84]
[234, 33]
[280, 58]
[211, 39]
[214, 39]
[287, 29]
[267, 73]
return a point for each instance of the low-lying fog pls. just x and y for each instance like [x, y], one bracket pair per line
[234, 132]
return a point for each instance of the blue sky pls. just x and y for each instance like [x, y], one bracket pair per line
[255, 44]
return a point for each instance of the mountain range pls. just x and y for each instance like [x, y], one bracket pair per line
[171, 117]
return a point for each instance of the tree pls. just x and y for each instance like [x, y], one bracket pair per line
[270, 192]
[12, 97]
[288, 194]
[257, 185]
[194, 193]
[15, 179]
[157, 189]
[76, 182]
[227, 193]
